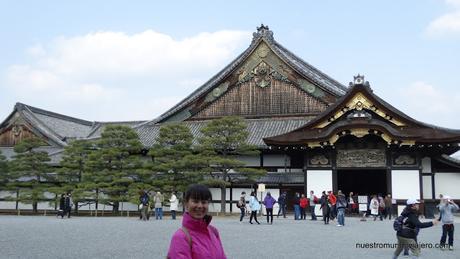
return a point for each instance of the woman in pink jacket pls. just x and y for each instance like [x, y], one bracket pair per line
[196, 238]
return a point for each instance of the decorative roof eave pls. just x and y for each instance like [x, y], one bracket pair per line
[263, 34]
[393, 116]
[451, 161]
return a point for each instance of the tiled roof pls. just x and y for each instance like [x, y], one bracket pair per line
[55, 153]
[284, 178]
[257, 128]
[265, 35]
[100, 126]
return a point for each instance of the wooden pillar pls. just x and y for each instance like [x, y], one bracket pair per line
[335, 184]
[388, 171]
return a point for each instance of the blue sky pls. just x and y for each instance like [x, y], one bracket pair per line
[132, 60]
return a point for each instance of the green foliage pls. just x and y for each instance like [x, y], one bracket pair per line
[223, 141]
[30, 172]
[4, 170]
[173, 159]
[113, 166]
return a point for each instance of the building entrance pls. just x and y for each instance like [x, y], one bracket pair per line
[362, 181]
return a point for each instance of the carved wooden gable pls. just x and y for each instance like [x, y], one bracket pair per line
[263, 86]
[15, 131]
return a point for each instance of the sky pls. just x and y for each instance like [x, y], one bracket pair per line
[133, 60]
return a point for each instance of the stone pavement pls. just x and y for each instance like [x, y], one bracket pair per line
[121, 237]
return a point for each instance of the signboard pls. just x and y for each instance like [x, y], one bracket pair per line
[362, 199]
[363, 207]
[361, 158]
[261, 187]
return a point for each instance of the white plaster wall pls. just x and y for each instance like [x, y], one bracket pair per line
[7, 205]
[405, 184]
[426, 165]
[276, 160]
[427, 188]
[447, 184]
[250, 160]
[318, 181]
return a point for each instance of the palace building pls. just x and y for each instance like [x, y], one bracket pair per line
[313, 132]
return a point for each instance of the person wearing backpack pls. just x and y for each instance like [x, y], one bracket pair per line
[144, 205]
[282, 204]
[197, 238]
[407, 227]
[241, 204]
[447, 208]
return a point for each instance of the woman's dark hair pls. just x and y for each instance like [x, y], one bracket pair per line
[253, 194]
[198, 192]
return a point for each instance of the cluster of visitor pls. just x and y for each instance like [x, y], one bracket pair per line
[65, 205]
[155, 203]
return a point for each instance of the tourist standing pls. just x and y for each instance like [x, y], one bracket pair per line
[269, 201]
[282, 204]
[352, 205]
[332, 200]
[325, 207]
[297, 206]
[341, 206]
[447, 218]
[144, 201]
[242, 205]
[407, 235]
[68, 204]
[388, 206]
[61, 210]
[196, 238]
[303, 207]
[254, 205]
[174, 204]
[158, 201]
[374, 206]
[313, 201]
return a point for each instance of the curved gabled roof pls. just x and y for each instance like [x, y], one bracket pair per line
[263, 34]
[393, 121]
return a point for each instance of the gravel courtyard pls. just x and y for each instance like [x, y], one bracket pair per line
[121, 237]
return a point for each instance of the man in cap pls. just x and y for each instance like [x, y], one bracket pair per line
[407, 236]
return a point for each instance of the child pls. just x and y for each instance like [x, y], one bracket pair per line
[447, 208]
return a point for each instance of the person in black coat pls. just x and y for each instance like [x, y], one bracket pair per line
[68, 205]
[61, 206]
[407, 236]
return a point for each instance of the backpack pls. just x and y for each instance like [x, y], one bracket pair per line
[239, 204]
[399, 222]
[144, 200]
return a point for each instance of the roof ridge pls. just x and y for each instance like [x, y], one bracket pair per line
[39, 124]
[33, 109]
[337, 83]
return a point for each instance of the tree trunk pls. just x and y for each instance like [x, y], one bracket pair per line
[34, 206]
[115, 208]
[223, 195]
[76, 208]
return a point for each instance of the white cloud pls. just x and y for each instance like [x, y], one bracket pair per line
[447, 24]
[430, 104]
[112, 72]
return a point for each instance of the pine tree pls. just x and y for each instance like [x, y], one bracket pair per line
[113, 165]
[173, 158]
[73, 165]
[30, 172]
[3, 171]
[223, 141]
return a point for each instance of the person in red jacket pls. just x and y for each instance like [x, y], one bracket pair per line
[303, 207]
[332, 200]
